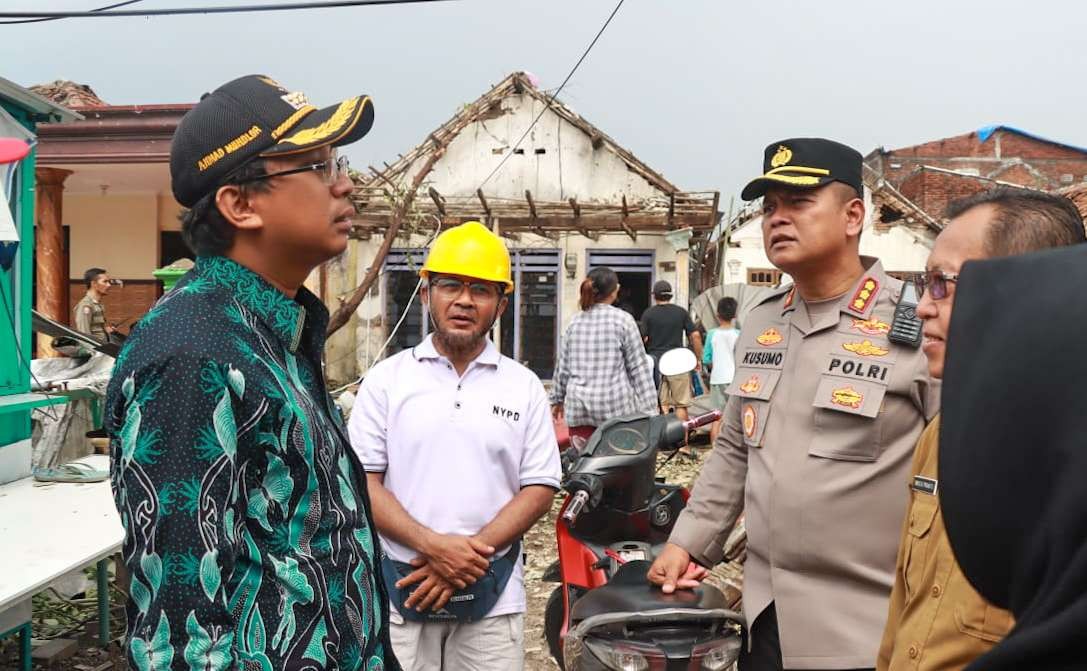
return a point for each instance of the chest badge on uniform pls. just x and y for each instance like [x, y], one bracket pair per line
[865, 295]
[924, 485]
[770, 336]
[871, 326]
[752, 385]
[751, 421]
[847, 397]
[865, 348]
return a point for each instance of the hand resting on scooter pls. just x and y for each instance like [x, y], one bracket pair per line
[674, 569]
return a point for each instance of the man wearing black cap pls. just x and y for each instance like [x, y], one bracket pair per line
[248, 532]
[823, 413]
[663, 326]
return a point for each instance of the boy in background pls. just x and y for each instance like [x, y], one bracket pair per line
[718, 355]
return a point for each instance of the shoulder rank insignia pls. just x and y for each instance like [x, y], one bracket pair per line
[864, 348]
[770, 336]
[752, 385]
[865, 295]
[871, 326]
[847, 397]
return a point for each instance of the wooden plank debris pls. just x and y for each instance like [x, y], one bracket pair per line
[626, 227]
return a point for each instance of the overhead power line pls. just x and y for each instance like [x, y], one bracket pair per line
[555, 94]
[207, 10]
[100, 9]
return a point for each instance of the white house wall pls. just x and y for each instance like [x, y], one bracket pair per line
[568, 168]
[900, 249]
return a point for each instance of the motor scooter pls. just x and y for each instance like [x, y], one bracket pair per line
[615, 520]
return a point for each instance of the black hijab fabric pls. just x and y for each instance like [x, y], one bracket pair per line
[1013, 450]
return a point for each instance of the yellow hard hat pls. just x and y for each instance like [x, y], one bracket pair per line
[471, 250]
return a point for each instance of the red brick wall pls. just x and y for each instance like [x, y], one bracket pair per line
[998, 157]
[932, 191]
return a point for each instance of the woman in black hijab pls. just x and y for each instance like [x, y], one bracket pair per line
[1013, 451]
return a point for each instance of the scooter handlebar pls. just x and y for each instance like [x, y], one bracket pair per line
[702, 420]
[577, 504]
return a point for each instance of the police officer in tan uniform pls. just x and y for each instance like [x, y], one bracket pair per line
[823, 414]
[90, 315]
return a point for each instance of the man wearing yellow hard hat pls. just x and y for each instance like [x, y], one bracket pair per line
[461, 460]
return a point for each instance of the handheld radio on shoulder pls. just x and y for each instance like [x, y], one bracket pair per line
[906, 327]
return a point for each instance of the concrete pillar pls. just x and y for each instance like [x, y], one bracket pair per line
[51, 272]
[681, 242]
[340, 280]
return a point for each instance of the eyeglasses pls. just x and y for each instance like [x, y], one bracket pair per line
[936, 281]
[451, 287]
[331, 171]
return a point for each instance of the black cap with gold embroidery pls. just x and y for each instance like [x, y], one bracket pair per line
[807, 162]
[255, 116]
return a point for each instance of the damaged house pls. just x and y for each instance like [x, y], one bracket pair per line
[566, 196]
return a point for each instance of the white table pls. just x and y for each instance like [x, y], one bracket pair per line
[51, 529]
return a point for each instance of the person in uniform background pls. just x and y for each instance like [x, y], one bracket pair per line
[90, 315]
[936, 620]
[663, 327]
[720, 346]
[821, 421]
[461, 459]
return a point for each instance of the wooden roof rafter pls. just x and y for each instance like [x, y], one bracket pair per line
[696, 210]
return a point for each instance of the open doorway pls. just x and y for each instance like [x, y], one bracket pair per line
[634, 289]
[635, 270]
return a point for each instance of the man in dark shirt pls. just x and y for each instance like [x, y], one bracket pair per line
[663, 326]
[248, 532]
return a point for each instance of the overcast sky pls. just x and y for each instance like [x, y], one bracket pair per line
[695, 88]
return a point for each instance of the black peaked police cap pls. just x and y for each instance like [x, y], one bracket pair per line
[255, 116]
[807, 162]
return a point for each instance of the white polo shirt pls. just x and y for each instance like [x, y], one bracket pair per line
[455, 449]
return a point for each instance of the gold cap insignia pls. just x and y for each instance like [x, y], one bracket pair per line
[847, 397]
[782, 157]
[864, 348]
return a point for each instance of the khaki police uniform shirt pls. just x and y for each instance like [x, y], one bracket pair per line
[936, 620]
[821, 422]
[90, 318]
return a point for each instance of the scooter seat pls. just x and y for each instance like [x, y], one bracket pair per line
[628, 591]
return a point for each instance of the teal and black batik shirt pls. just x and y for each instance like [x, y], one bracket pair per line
[248, 532]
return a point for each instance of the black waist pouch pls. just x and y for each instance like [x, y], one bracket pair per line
[470, 604]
